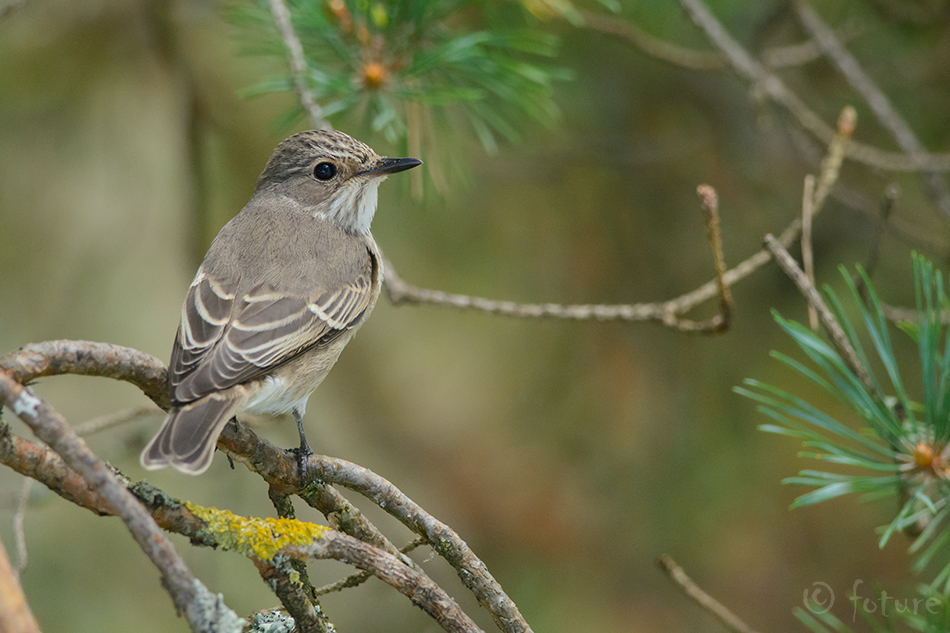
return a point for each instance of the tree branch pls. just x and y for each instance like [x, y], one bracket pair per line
[693, 591]
[279, 468]
[889, 117]
[203, 610]
[85, 358]
[298, 65]
[828, 320]
[773, 87]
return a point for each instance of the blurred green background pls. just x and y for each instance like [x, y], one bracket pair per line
[568, 455]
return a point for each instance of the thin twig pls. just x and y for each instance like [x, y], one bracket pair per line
[308, 617]
[889, 117]
[808, 263]
[298, 64]
[710, 207]
[776, 57]
[117, 418]
[802, 53]
[416, 586]
[203, 610]
[773, 87]
[399, 292]
[828, 320]
[85, 358]
[18, 520]
[885, 207]
[652, 46]
[347, 518]
[692, 591]
[357, 579]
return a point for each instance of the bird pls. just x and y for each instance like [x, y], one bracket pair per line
[284, 286]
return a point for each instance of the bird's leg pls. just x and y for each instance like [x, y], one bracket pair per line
[304, 451]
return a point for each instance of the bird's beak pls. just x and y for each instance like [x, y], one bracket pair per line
[385, 166]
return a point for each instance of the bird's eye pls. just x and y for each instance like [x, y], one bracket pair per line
[324, 171]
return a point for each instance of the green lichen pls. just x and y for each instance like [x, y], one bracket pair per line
[260, 538]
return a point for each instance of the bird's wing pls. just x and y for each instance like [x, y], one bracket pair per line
[227, 337]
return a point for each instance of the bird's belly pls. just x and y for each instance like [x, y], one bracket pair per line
[290, 386]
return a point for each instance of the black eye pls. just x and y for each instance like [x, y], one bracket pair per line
[324, 171]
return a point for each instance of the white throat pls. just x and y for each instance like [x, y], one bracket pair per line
[354, 205]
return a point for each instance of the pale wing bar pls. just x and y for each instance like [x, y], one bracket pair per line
[267, 330]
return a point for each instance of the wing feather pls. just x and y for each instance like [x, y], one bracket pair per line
[228, 338]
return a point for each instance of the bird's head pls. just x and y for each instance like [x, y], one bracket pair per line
[331, 175]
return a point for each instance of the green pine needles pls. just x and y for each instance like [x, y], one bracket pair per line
[413, 66]
[902, 447]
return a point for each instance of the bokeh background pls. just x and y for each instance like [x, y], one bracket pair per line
[568, 455]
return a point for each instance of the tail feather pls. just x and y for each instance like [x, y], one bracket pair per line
[189, 435]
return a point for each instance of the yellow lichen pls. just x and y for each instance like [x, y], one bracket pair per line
[261, 538]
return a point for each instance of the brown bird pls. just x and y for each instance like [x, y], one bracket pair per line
[283, 288]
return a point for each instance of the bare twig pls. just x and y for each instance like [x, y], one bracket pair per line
[117, 418]
[889, 117]
[828, 320]
[667, 313]
[710, 207]
[830, 169]
[43, 465]
[85, 358]
[298, 65]
[773, 87]
[655, 47]
[804, 52]
[885, 207]
[203, 610]
[416, 586]
[359, 578]
[776, 57]
[18, 519]
[808, 263]
[692, 591]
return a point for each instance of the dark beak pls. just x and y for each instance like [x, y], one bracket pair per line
[392, 166]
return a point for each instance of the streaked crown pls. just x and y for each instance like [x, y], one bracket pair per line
[330, 175]
[297, 154]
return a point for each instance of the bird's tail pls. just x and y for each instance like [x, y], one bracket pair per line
[189, 435]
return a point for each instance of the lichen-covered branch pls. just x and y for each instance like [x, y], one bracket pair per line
[279, 468]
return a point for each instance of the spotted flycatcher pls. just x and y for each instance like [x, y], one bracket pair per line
[283, 288]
